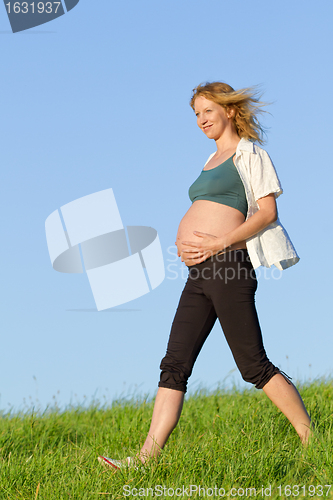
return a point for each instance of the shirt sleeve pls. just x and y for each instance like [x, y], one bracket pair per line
[264, 179]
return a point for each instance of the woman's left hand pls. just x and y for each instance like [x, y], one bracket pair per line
[196, 252]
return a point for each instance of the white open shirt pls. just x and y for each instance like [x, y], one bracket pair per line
[272, 245]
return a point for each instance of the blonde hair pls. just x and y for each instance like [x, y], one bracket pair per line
[245, 103]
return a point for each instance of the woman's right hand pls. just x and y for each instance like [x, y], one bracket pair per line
[179, 246]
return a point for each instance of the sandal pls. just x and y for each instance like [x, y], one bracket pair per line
[118, 464]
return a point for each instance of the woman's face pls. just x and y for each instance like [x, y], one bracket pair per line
[211, 117]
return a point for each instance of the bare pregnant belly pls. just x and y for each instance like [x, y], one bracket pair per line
[209, 217]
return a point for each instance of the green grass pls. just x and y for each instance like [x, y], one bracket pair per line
[224, 439]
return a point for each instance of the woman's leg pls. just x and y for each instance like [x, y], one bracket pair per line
[194, 319]
[234, 303]
[167, 410]
[286, 397]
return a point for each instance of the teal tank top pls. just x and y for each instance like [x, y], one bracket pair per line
[221, 184]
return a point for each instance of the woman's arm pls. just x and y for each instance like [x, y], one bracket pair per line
[210, 245]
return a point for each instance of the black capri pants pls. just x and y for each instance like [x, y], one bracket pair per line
[222, 287]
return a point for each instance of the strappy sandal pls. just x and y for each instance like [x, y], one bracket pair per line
[119, 464]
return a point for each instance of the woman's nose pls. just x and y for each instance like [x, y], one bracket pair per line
[202, 119]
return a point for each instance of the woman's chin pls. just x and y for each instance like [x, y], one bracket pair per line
[210, 135]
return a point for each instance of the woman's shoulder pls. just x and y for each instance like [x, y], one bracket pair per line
[261, 171]
[250, 147]
[209, 158]
[254, 156]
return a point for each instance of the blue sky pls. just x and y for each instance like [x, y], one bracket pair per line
[98, 98]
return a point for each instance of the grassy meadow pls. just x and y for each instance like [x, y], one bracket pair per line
[228, 444]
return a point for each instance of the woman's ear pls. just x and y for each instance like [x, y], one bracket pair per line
[230, 112]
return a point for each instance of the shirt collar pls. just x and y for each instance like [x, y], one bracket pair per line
[245, 145]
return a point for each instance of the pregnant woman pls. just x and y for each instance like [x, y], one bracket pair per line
[230, 229]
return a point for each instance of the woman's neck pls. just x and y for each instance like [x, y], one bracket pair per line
[227, 142]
